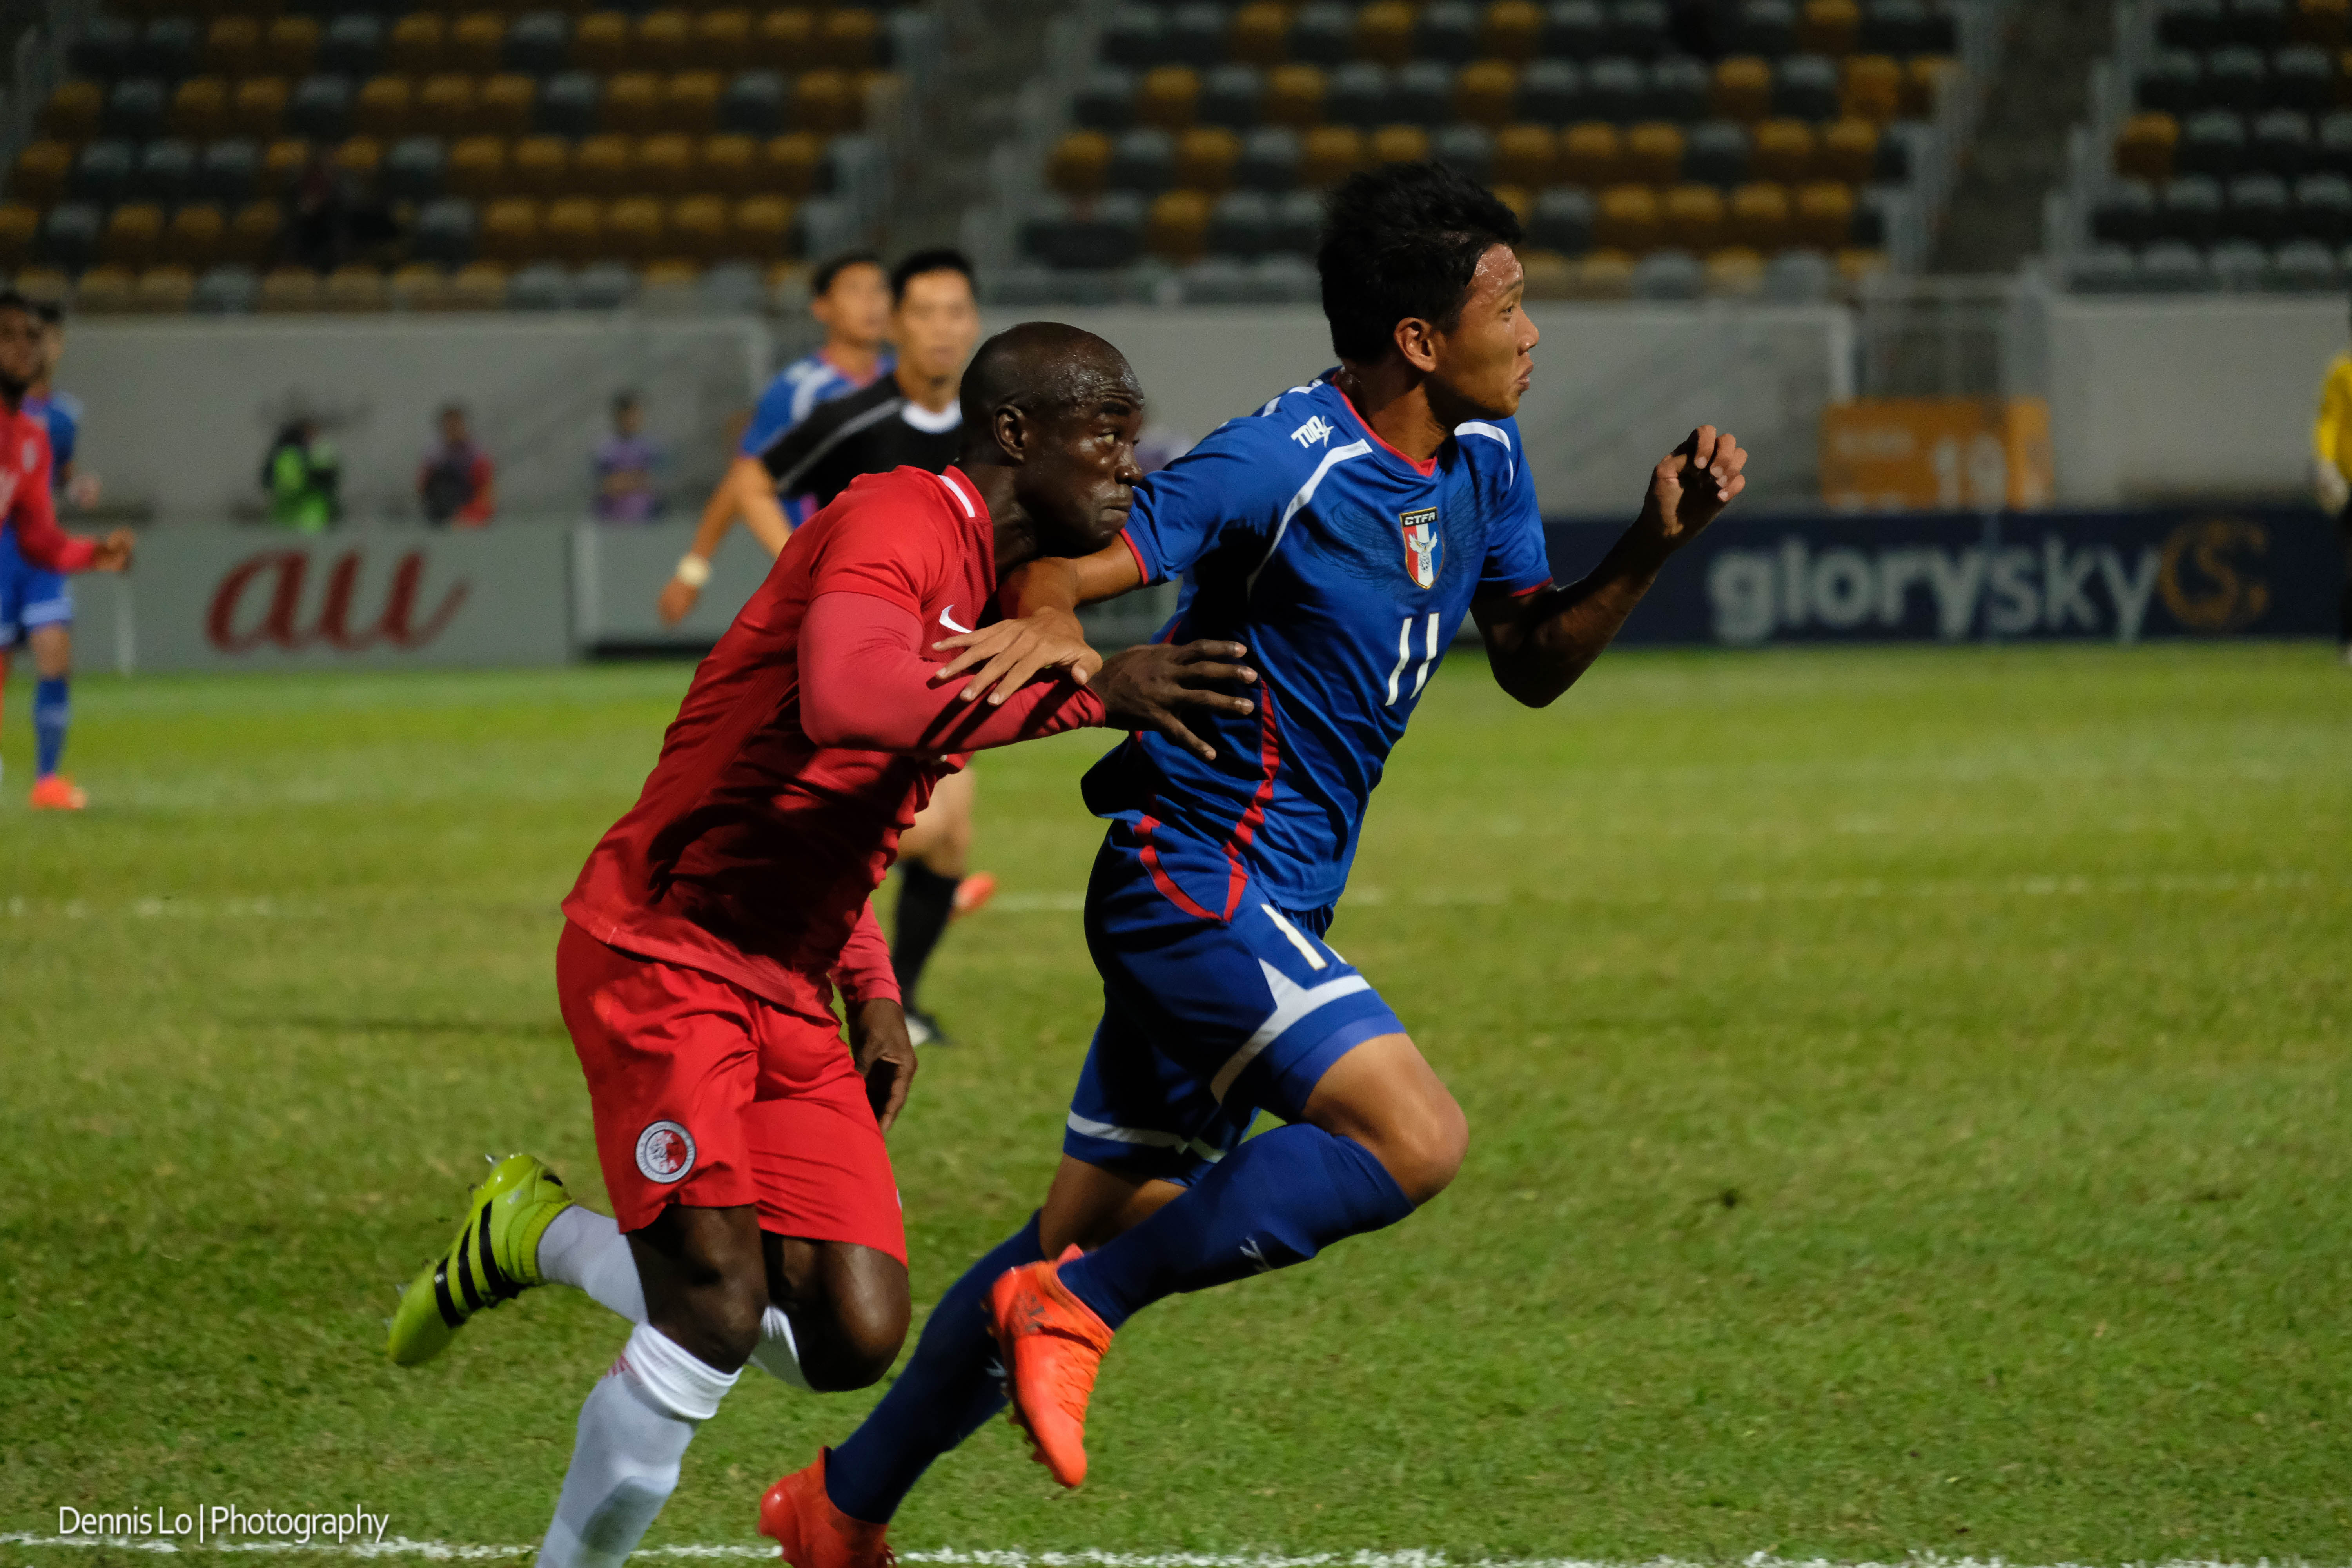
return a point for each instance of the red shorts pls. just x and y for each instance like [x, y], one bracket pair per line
[707, 1094]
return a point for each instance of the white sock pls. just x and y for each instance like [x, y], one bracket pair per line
[586, 1250]
[632, 1432]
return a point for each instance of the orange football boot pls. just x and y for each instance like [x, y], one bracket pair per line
[797, 1516]
[1052, 1344]
[971, 893]
[55, 792]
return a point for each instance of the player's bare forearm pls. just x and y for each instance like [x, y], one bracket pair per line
[1041, 630]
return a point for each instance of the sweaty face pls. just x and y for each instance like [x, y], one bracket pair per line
[1078, 479]
[23, 354]
[936, 325]
[858, 305]
[1485, 361]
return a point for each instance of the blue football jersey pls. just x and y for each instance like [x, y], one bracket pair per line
[796, 390]
[1345, 568]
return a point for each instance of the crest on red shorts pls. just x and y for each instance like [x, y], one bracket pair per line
[664, 1152]
[1421, 543]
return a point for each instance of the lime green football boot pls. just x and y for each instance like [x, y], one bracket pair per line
[494, 1258]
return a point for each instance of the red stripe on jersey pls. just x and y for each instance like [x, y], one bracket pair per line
[1424, 466]
[1236, 874]
[1136, 550]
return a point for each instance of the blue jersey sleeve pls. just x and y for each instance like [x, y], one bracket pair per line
[1230, 489]
[1516, 559]
[771, 418]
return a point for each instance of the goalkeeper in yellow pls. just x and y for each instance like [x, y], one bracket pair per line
[2331, 441]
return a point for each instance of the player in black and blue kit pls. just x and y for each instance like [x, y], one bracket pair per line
[1340, 534]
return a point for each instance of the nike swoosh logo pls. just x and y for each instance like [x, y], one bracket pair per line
[946, 621]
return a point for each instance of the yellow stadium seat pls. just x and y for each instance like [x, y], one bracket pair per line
[1260, 34]
[478, 42]
[1168, 97]
[506, 103]
[1829, 26]
[1654, 152]
[417, 44]
[727, 162]
[666, 163]
[73, 112]
[826, 100]
[42, 171]
[1512, 30]
[20, 222]
[355, 287]
[385, 106]
[540, 166]
[419, 286]
[508, 232]
[601, 42]
[199, 109]
[1550, 275]
[165, 290]
[2323, 22]
[44, 285]
[1759, 217]
[1871, 88]
[1591, 153]
[233, 47]
[477, 167]
[1848, 151]
[282, 162]
[105, 290]
[762, 228]
[1400, 144]
[2144, 148]
[1783, 151]
[722, 41]
[689, 104]
[1735, 272]
[1923, 84]
[258, 108]
[1484, 92]
[781, 40]
[133, 235]
[1825, 215]
[195, 236]
[1604, 275]
[1856, 266]
[637, 228]
[1693, 217]
[1743, 89]
[1078, 166]
[360, 157]
[1205, 157]
[253, 233]
[1384, 32]
[698, 228]
[1519, 198]
[445, 102]
[574, 232]
[632, 102]
[289, 290]
[791, 165]
[289, 48]
[477, 285]
[1525, 155]
[1328, 154]
[849, 38]
[1629, 218]
[663, 39]
[1176, 228]
[673, 275]
[602, 165]
[1294, 96]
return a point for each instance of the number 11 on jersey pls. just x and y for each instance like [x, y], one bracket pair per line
[1405, 657]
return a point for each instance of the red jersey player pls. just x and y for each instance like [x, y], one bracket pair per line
[756, 1216]
[26, 509]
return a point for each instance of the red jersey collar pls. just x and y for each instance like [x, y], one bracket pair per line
[1424, 468]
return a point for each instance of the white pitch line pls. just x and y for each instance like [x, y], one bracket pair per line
[949, 1557]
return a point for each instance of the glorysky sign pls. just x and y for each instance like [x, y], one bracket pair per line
[2018, 576]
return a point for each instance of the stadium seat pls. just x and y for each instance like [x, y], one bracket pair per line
[101, 174]
[1329, 154]
[1135, 37]
[353, 44]
[447, 101]
[826, 100]
[321, 108]
[73, 112]
[1628, 218]
[1525, 155]
[689, 104]
[721, 41]
[781, 40]
[2261, 24]
[444, 230]
[1829, 26]
[1105, 100]
[105, 290]
[1195, 36]
[1422, 93]
[697, 228]
[477, 167]
[1616, 89]
[2304, 267]
[224, 289]
[417, 43]
[1231, 96]
[632, 102]
[1669, 275]
[1847, 150]
[1269, 160]
[1260, 36]
[165, 171]
[1323, 35]
[541, 286]
[1551, 93]
[354, 287]
[2191, 23]
[537, 43]
[1679, 90]
[133, 236]
[1206, 156]
[1447, 31]
[792, 164]
[1143, 161]
[664, 163]
[568, 104]
[2327, 23]
[199, 109]
[1759, 216]
[509, 231]
[1109, 234]
[413, 169]
[726, 164]
[1397, 144]
[2256, 209]
[282, 164]
[1510, 30]
[849, 38]
[2237, 78]
[1563, 220]
[232, 47]
[1357, 94]
[1654, 152]
[385, 106]
[1905, 27]
[1765, 28]
[1799, 277]
[1716, 153]
[1823, 215]
[228, 171]
[635, 227]
[1384, 32]
[41, 172]
[1783, 151]
[1574, 31]
[1592, 155]
[287, 290]
[476, 286]
[1468, 149]
[1484, 92]
[2240, 266]
[1743, 89]
[1639, 29]
[1080, 164]
[167, 289]
[600, 43]
[69, 234]
[1806, 86]
[2280, 143]
[2173, 83]
[1176, 226]
[1735, 272]
[602, 165]
[107, 47]
[167, 48]
[2127, 215]
[2190, 211]
[1694, 217]
[2212, 143]
[1298, 224]
[289, 47]
[258, 107]
[2146, 147]
[135, 109]
[506, 104]
[2302, 77]
[538, 167]
[1240, 224]
[660, 40]
[1871, 87]
[762, 226]
[2322, 209]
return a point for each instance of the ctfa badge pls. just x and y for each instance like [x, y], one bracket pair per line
[1420, 546]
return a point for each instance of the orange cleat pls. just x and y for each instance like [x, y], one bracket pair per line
[971, 893]
[797, 1516]
[55, 792]
[1052, 1344]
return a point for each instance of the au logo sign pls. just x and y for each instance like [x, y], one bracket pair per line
[2206, 578]
[230, 627]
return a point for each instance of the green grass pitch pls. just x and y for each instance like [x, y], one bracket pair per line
[1908, 1094]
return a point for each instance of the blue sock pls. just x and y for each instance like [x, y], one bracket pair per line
[52, 711]
[950, 1387]
[1272, 1201]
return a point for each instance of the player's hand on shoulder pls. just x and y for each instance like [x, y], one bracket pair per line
[114, 552]
[1003, 658]
[884, 1056]
[1693, 484]
[1143, 688]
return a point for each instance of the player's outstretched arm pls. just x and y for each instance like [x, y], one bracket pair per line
[1041, 629]
[1541, 644]
[742, 491]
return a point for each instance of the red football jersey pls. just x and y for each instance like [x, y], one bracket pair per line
[25, 501]
[752, 850]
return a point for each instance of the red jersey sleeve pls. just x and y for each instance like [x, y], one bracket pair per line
[865, 973]
[866, 684]
[43, 543]
[883, 547]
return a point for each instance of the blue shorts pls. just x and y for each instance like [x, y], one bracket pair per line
[29, 595]
[1205, 1022]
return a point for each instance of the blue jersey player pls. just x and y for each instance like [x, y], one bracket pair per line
[1340, 534]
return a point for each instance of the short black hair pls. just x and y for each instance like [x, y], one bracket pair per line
[833, 267]
[1403, 240]
[940, 258]
[51, 313]
[12, 301]
[624, 400]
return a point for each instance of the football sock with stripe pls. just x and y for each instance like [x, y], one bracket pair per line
[951, 1386]
[586, 1250]
[634, 1432]
[925, 901]
[52, 711]
[1276, 1200]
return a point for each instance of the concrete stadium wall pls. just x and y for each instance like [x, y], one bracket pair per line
[2153, 400]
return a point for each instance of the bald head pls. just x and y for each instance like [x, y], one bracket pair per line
[1046, 372]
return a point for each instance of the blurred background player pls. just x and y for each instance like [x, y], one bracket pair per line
[34, 553]
[304, 478]
[908, 418]
[625, 463]
[2331, 440]
[458, 483]
[42, 601]
[850, 298]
